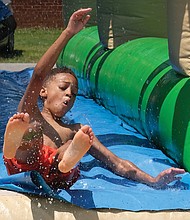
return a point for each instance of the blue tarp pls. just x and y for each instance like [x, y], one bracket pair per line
[4, 11]
[97, 187]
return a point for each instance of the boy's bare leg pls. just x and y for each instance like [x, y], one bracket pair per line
[16, 127]
[80, 144]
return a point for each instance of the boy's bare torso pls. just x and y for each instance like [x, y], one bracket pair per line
[56, 133]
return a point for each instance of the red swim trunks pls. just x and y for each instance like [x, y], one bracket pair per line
[47, 165]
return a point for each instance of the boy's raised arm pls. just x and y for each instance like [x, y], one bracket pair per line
[76, 23]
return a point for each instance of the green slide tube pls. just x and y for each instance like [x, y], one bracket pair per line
[136, 82]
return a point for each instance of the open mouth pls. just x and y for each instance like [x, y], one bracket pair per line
[66, 102]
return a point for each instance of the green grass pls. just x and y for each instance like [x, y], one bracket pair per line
[30, 44]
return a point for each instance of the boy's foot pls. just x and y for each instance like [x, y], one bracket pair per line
[84, 136]
[80, 144]
[14, 132]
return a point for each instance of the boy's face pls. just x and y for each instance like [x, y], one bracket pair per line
[60, 94]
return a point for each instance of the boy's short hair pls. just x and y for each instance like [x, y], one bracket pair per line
[56, 71]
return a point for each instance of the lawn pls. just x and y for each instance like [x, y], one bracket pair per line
[30, 44]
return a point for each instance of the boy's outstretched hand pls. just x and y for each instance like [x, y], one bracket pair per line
[167, 176]
[78, 20]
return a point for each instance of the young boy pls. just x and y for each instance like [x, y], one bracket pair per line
[41, 141]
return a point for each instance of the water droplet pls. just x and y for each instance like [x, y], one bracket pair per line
[39, 205]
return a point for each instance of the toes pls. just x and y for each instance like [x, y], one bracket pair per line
[88, 130]
[85, 128]
[26, 117]
[23, 116]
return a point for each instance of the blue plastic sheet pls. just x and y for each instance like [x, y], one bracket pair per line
[97, 187]
[4, 11]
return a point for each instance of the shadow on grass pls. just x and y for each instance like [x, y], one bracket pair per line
[15, 53]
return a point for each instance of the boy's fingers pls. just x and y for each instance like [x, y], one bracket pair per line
[81, 13]
[86, 19]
